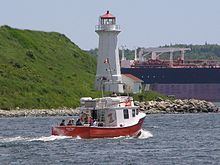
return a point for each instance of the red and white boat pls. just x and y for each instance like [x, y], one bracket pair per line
[104, 117]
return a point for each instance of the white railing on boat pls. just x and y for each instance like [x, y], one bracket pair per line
[107, 102]
[100, 105]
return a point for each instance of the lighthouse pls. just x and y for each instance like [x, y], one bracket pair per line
[108, 73]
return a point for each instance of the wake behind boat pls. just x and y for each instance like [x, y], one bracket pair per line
[104, 117]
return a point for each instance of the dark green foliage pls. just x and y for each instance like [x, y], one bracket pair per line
[30, 54]
[129, 54]
[93, 52]
[43, 70]
[149, 95]
[206, 51]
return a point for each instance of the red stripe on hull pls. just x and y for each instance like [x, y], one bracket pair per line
[97, 132]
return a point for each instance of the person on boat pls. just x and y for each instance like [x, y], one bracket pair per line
[78, 122]
[90, 119]
[113, 94]
[100, 124]
[70, 122]
[62, 123]
[84, 118]
[95, 123]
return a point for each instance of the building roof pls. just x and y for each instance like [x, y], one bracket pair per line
[107, 15]
[133, 77]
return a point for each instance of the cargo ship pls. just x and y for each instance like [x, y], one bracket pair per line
[184, 79]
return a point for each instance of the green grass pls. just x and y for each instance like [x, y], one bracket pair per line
[43, 70]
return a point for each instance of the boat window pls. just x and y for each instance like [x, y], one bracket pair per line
[137, 111]
[133, 112]
[94, 114]
[126, 115]
[101, 115]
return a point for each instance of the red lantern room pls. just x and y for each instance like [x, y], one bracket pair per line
[107, 19]
[107, 22]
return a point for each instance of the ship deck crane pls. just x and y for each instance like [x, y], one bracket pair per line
[156, 52]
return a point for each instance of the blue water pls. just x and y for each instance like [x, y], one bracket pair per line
[166, 139]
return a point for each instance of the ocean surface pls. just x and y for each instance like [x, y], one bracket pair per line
[165, 139]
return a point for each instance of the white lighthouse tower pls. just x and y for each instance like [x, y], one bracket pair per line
[108, 74]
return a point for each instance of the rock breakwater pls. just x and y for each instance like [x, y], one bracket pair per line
[177, 106]
[149, 107]
[39, 112]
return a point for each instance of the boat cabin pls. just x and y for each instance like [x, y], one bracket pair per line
[117, 111]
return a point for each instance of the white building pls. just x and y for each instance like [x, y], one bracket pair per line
[132, 83]
[108, 74]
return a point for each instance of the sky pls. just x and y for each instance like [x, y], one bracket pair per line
[145, 23]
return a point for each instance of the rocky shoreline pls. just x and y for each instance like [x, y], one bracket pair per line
[39, 112]
[177, 106]
[159, 106]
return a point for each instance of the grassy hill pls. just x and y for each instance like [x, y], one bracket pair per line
[43, 70]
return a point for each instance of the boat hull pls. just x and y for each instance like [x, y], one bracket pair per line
[98, 132]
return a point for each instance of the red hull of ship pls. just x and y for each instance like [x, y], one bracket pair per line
[98, 132]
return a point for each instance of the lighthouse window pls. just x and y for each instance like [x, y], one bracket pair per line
[126, 115]
[133, 112]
